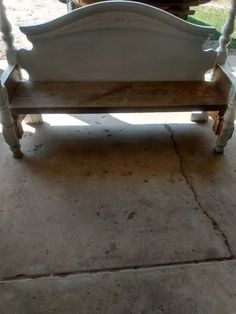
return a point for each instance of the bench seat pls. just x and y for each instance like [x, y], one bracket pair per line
[96, 97]
[117, 56]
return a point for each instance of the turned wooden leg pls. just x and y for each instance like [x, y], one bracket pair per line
[199, 116]
[10, 129]
[227, 128]
[33, 119]
[18, 126]
[218, 119]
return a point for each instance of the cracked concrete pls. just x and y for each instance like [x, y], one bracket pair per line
[142, 292]
[215, 224]
[101, 216]
[107, 197]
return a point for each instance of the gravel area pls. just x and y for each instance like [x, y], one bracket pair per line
[29, 12]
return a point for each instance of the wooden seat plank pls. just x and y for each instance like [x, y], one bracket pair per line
[116, 97]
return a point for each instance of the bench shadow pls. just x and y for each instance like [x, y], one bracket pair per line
[116, 148]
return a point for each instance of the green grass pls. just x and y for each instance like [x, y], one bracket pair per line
[210, 16]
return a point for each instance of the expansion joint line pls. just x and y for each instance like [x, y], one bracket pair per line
[188, 181]
[114, 269]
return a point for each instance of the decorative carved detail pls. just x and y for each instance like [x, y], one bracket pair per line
[224, 41]
[6, 29]
[120, 20]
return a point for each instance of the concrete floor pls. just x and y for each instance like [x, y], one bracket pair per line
[118, 214]
[124, 214]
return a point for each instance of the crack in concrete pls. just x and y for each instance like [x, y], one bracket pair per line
[214, 223]
[114, 269]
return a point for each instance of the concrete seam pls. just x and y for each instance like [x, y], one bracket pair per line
[115, 269]
[188, 181]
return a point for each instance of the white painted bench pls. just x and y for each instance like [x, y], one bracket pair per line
[116, 56]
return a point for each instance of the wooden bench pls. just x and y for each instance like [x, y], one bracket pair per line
[117, 57]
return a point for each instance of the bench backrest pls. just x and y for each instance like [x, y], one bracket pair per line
[117, 41]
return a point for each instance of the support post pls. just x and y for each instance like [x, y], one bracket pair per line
[199, 117]
[33, 119]
[6, 29]
[11, 132]
[224, 41]
[227, 129]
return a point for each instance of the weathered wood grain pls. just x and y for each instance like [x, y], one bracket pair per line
[116, 97]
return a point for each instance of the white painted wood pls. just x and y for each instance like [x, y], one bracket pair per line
[33, 119]
[6, 29]
[228, 122]
[199, 116]
[10, 131]
[117, 41]
[224, 41]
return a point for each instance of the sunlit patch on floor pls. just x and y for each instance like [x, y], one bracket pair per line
[154, 118]
[62, 120]
[129, 118]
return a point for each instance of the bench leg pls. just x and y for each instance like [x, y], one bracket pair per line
[11, 129]
[199, 116]
[33, 119]
[227, 129]
[18, 125]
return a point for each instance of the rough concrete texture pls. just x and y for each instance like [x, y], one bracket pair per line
[148, 291]
[115, 214]
[120, 208]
